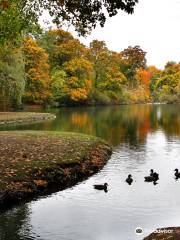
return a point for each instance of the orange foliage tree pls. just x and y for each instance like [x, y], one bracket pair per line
[79, 79]
[37, 72]
[143, 77]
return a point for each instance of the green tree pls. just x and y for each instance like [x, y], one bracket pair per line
[16, 19]
[114, 80]
[99, 55]
[58, 85]
[12, 77]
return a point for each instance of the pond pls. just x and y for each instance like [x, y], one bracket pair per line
[143, 137]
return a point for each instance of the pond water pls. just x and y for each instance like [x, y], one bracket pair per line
[143, 137]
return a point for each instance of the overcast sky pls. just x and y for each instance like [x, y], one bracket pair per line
[155, 26]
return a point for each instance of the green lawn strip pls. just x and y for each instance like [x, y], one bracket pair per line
[27, 156]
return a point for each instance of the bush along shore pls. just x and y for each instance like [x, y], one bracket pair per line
[14, 118]
[37, 163]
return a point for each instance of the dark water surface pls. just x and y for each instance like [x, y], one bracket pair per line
[143, 137]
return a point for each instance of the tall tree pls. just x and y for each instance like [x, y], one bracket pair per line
[99, 55]
[133, 58]
[17, 17]
[58, 86]
[79, 79]
[37, 72]
[61, 47]
[12, 77]
[155, 75]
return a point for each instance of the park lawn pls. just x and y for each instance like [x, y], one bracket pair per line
[30, 160]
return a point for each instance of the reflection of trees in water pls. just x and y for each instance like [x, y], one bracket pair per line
[115, 124]
[170, 120]
[118, 124]
[130, 123]
[12, 221]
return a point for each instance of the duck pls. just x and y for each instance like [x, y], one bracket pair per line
[153, 177]
[177, 173]
[101, 186]
[156, 176]
[129, 179]
[151, 172]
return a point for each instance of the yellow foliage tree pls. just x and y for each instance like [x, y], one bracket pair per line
[79, 79]
[37, 72]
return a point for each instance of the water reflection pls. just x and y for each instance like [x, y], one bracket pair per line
[12, 221]
[130, 124]
[144, 137]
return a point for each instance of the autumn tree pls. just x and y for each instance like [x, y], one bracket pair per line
[171, 68]
[103, 61]
[61, 47]
[155, 75]
[133, 58]
[79, 79]
[143, 76]
[37, 72]
[113, 80]
[168, 84]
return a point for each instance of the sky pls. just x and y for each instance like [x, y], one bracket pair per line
[155, 27]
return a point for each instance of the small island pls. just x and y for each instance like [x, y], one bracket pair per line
[33, 163]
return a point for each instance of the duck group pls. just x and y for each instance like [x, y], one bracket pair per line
[153, 177]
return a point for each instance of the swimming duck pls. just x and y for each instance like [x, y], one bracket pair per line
[152, 178]
[151, 172]
[101, 186]
[129, 179]
[177, 173]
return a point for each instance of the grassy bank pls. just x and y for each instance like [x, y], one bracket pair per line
[9, 118]
[34, 163]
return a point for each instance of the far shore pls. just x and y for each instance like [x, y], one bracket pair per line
[14, 118]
